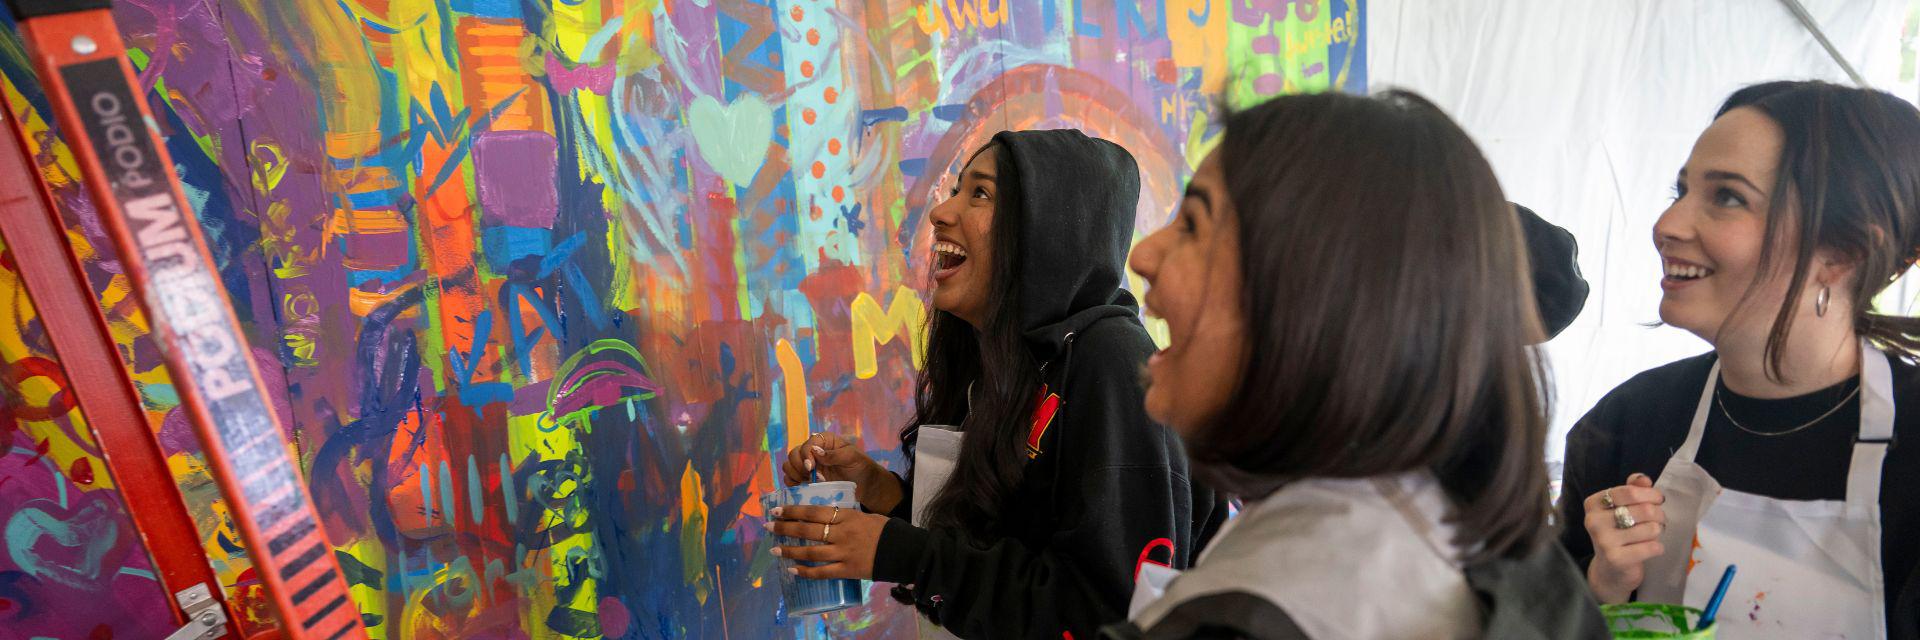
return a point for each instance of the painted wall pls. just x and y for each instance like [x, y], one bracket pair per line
[549, 285]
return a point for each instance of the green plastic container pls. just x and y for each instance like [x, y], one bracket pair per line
[1639, 620]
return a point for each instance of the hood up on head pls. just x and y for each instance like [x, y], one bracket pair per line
[1079, 195]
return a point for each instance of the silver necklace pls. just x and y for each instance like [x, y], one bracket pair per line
[1809, 423]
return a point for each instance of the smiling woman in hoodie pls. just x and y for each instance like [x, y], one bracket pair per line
[1061, 487]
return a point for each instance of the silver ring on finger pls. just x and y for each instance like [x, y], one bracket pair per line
[836, 517]
[826, 534]
[1606, 498]
[1622, 519]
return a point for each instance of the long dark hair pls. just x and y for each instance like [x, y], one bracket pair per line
[1848, 182]
[993, 366]
[1388, 312]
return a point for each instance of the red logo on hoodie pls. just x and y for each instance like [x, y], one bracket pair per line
[1042, 418]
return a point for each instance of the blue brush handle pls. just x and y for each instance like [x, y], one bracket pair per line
[1719, 594]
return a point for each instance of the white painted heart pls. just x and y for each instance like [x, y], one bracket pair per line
[733, 138]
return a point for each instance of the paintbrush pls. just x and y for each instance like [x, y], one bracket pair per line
[813, 462]
[1719, 594]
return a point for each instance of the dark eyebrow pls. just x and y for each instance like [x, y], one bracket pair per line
[1202, 196]
[1729, 175]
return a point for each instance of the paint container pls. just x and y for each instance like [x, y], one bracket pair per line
[805, 596]
[1638, 620]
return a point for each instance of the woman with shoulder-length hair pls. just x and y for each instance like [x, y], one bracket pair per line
[1349, 304]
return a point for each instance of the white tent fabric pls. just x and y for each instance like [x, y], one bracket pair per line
[1587, 109]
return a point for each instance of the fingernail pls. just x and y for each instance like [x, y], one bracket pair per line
[776, 512]
[775, 552]
[768, 526]
[809, 465]
[793, 571]
[819, 451]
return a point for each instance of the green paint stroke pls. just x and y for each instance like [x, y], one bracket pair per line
[426, 492]
[740, 266]
[357, 572]
[474, 491]
[1282, 53]
[446, 492]
[508, 493]
[92, 529]
[574, 622]
[564, 374]
[732, 138]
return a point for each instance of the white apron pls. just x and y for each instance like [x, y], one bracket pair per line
[1378, 535]
[934, 453]
[1808, 568]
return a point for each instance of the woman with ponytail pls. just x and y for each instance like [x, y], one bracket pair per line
[1792, 451]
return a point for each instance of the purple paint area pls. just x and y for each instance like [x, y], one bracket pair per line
[379, 251]
[515, 172]
[73, 566]
[1270, 83]
[600, 384]
[176, 436]
[594, 78]
[575, 215]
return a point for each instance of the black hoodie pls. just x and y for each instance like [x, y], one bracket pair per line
[1107, 489]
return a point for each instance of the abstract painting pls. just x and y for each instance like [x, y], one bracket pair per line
[545, 288]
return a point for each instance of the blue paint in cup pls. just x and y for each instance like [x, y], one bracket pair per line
[806, 596]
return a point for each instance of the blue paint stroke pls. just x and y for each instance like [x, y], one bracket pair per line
[872, 117]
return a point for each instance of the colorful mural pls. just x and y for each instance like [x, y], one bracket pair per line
[548, 285]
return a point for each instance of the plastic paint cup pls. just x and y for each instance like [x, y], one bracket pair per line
[1649, 620]
[807, 596]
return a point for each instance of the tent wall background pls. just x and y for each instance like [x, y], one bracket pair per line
[1587, 109]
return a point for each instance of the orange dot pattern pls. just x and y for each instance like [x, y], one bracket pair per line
[819, 132]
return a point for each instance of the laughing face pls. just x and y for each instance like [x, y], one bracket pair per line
[1192, 267]
[1710, 238]
[962, 242]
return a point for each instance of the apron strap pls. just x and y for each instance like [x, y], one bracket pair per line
[1692, 445]
[1876, 428]
[1870, 446]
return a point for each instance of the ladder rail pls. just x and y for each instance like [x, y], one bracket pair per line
[96, 376]
[81, 61]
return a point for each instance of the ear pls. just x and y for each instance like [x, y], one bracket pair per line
[1832, 269]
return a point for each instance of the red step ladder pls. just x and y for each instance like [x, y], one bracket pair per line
[81, 62]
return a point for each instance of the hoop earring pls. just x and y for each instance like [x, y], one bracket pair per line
[1820, 301]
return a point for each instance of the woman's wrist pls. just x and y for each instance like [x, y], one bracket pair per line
[1604, 593]
[880, 491]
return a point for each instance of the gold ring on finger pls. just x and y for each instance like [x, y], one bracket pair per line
[1606, 498]
[835, 519]
[826, 534]
[1622, 519]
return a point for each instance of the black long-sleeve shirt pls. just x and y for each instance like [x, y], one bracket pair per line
[1638, 426]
